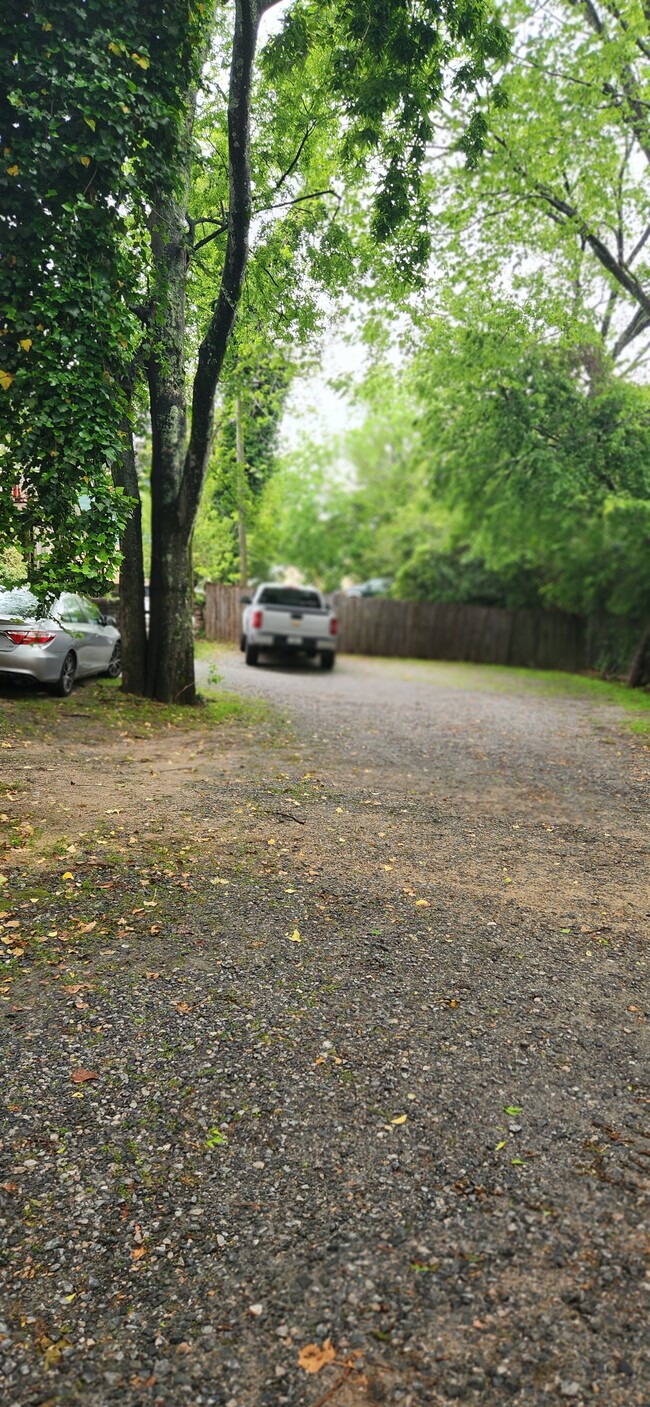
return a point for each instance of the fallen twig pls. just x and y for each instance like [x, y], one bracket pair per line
[287, 816]
[335, 1387]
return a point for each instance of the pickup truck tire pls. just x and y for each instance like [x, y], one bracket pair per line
[252, 653]
[327, 658]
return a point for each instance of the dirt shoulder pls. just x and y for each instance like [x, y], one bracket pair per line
[354, 972]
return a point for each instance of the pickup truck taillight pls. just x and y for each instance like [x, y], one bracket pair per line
[256, 619]
[334, 625]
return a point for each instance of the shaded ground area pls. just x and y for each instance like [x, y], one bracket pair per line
[326, 1026]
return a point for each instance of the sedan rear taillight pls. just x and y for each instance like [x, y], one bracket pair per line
[334, 625]
[30, 637]
[256, 619]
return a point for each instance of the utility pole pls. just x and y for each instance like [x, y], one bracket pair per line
[241, 493]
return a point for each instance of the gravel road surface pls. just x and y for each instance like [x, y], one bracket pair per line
[368, 1057]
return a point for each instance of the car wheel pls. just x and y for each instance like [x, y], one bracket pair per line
[115, 663]
[65, 680]
[327, 658]
[252, 653]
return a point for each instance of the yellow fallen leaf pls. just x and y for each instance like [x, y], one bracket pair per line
[401, 1119]
[67, 875]
[6, 379]
[13, 170]
[422, 903]
[85, 160]
[295, 937]
[25, 343]
[500, 1145]
[138, 1253]
[312, 1358]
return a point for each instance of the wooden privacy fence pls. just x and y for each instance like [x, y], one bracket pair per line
[435, 630]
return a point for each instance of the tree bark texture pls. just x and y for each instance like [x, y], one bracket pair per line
[179, 460]
[133, 629]
[640, 667]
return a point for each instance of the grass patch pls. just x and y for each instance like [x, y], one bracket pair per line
[28, 713]
[542, 681]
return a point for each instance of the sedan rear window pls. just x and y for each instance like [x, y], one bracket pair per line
[19, 603]
[288, 596]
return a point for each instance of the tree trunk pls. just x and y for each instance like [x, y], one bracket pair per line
[640, 667]
[179, 460]
[170, 665]
[133, 628]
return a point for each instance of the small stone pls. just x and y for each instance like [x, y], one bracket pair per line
[570, 1389]
[256, 1310]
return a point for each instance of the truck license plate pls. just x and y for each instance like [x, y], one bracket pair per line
[294, 640]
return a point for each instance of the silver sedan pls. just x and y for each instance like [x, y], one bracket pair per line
[55, 643]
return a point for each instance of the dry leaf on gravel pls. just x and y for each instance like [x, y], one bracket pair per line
[80, 1077]
[312, 1358]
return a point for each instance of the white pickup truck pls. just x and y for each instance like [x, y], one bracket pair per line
[288, 620]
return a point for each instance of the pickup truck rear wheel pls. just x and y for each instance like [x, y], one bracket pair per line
[327, 658]
[252, 653]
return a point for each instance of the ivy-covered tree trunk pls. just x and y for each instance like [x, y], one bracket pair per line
[180, 454]
[132, 619]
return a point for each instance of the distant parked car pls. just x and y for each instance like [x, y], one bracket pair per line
[376, 586]
[55, 643]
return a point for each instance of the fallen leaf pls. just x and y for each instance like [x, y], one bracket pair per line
[312, 1358]
[152, 975]
[80, 1077]
[295, 937]
[67, 875]
[138, 1252]
[183, 1007]
[401, 1119]
[512, 1109]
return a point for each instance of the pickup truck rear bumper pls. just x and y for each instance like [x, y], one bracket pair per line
[291, 642]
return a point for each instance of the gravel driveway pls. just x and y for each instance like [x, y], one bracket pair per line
[367, 1060]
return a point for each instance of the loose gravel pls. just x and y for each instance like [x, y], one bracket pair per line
[341, 1041]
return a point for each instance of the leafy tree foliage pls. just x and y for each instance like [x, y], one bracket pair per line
[83, 97]
[141, 220]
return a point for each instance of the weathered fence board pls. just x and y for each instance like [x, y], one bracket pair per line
[436, 630]
[222, 612]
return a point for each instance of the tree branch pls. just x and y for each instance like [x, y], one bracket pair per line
[213, 347]
[311, 195]
[292, 164]
[561, 211]
[638, 324]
